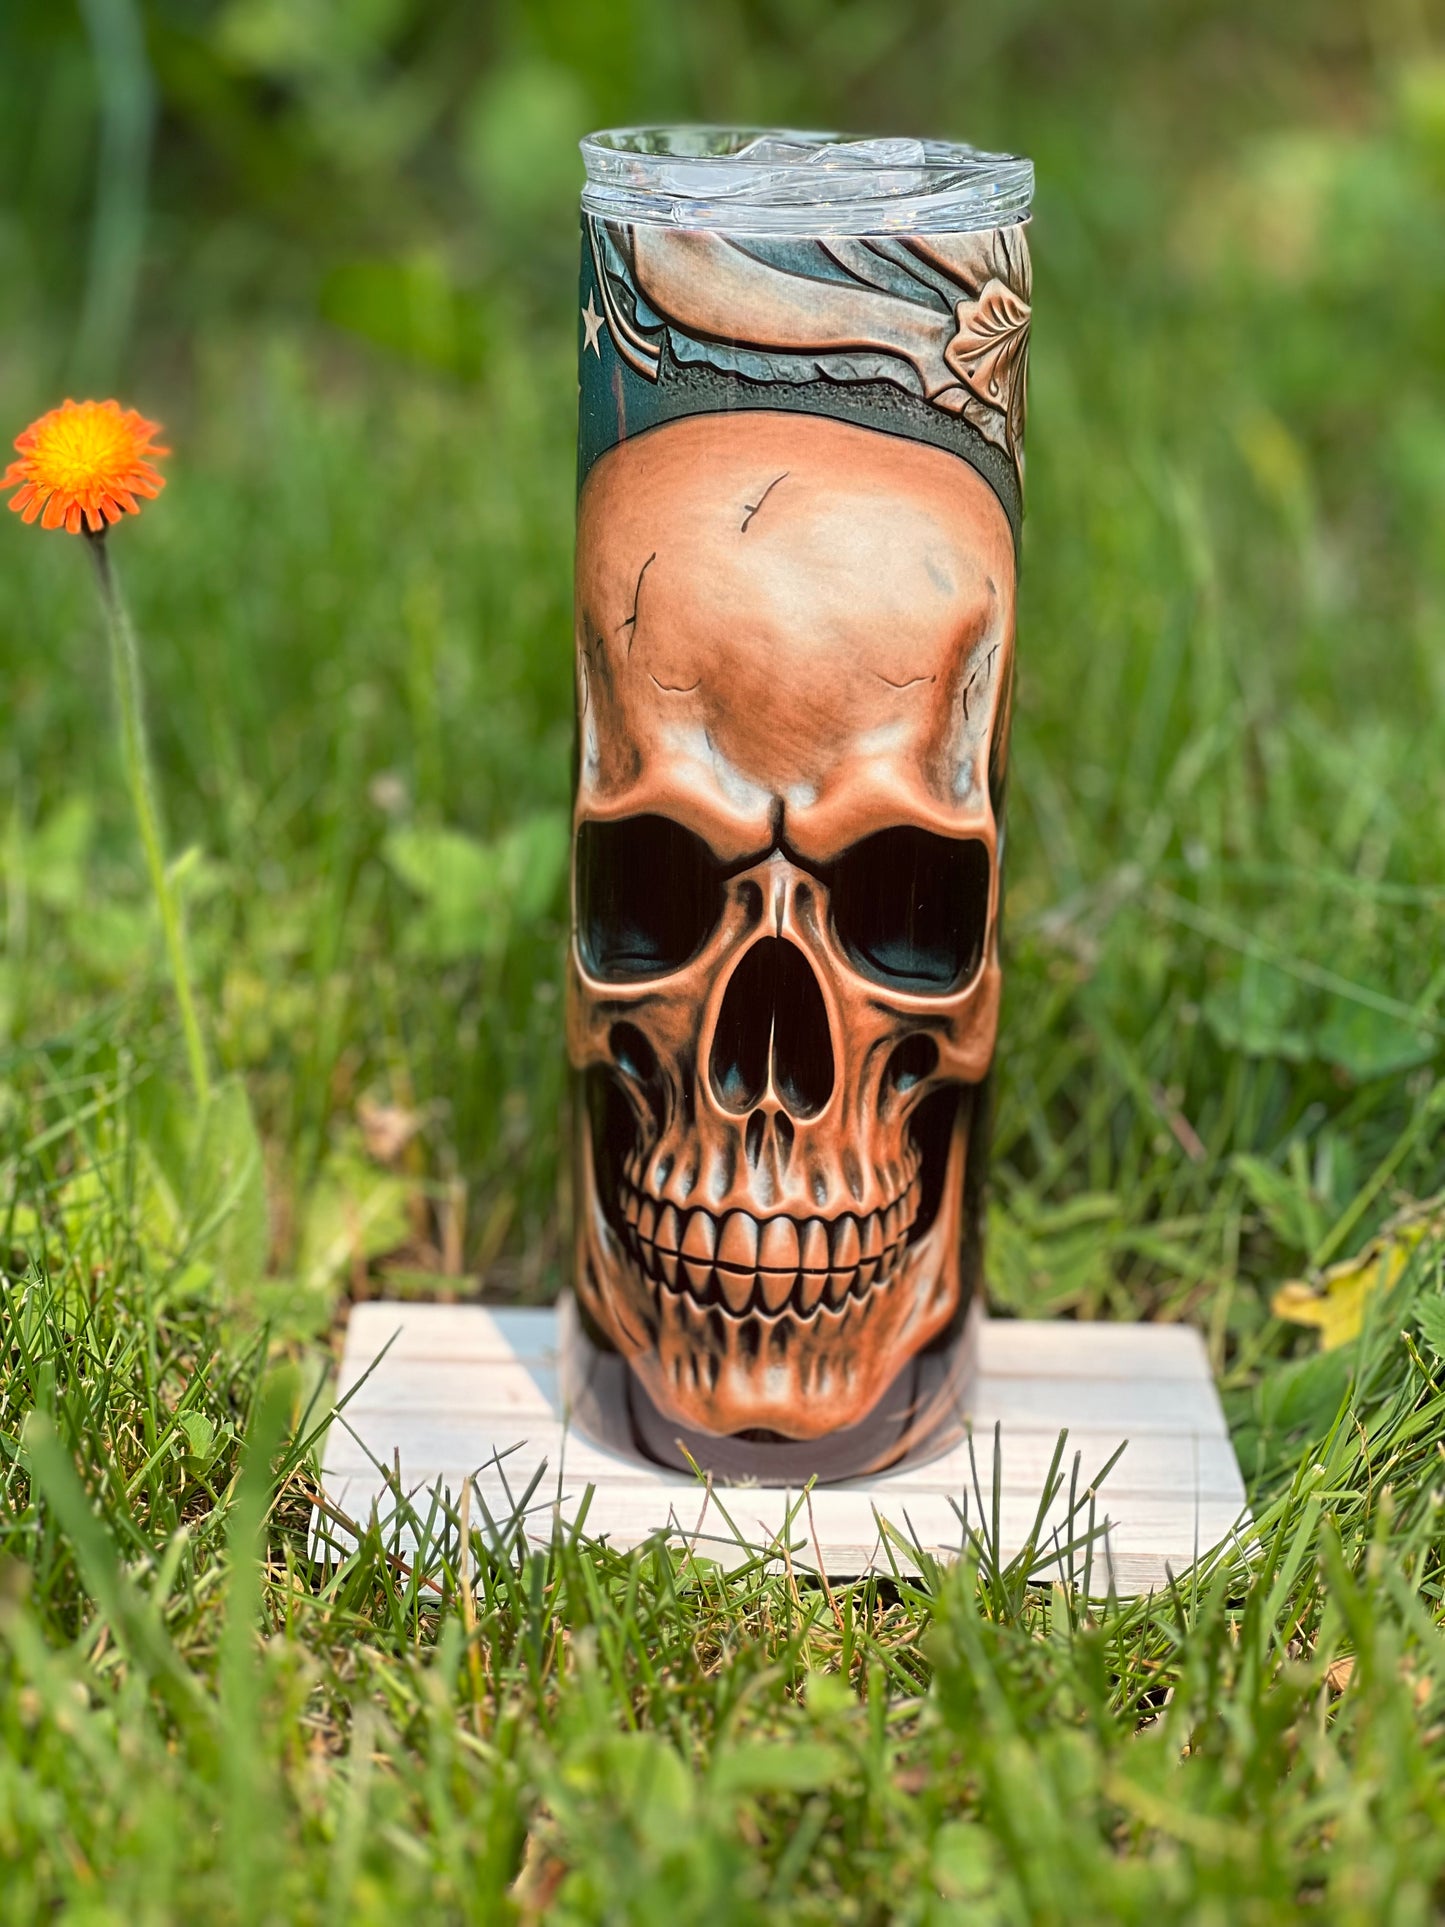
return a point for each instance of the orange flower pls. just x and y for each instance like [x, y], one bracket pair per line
[86, 458]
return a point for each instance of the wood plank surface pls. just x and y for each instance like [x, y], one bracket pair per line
[459, 1393]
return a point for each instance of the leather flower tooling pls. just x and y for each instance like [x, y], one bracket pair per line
[990, 353]
[944, 317]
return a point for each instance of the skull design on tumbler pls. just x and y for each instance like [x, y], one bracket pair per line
[794, 659]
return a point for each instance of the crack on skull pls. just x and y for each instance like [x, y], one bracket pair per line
[753, 507]
[985, 669]
[630, 622]
[911, 683]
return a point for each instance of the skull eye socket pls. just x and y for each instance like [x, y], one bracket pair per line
[911, 908]
[649, 894]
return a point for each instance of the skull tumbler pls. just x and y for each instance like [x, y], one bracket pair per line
[800, 462]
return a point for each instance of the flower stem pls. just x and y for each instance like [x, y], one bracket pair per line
[135, 757]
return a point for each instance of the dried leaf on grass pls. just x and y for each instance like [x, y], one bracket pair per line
[1337, 1300]
[387, 1129]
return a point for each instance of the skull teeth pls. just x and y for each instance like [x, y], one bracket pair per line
[699, 1240]
[814, 1254]
[741, 1264]
[847, 1245]
[810, 1290]
[737, 1248]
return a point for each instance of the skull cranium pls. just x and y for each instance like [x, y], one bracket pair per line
[794, 654]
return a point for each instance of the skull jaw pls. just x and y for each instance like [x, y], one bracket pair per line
[919, 1415]
[787, 1377]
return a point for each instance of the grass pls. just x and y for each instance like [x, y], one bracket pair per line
[1220, 1068]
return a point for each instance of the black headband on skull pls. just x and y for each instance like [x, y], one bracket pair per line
[924, 336]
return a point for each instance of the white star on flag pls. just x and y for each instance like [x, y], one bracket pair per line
[592, 322]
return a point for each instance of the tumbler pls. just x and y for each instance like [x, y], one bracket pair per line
[800, 464]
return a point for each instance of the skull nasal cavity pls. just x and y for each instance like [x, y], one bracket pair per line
[772, 1015]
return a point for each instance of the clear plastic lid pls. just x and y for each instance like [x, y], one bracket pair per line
[782, 181]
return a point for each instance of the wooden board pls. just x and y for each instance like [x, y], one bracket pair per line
[453, 1396]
